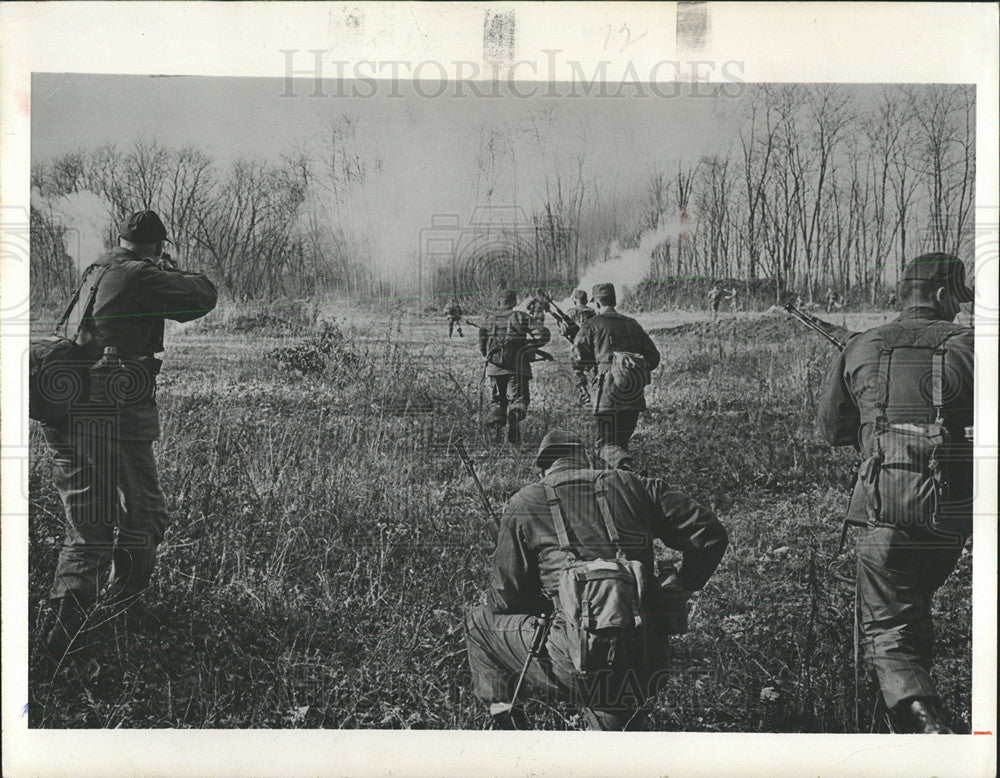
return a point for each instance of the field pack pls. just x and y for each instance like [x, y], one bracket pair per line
[601, 599]
[506, 343]
[58, 367]
[906, 482]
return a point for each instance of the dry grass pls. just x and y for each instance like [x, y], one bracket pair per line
[326, 539]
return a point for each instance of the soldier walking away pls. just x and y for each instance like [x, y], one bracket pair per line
[620, 355]
[106, 472]
[715, 298]
[509, 342]
[902, 393]
[579, 313]
[454, 313]
[585, 533]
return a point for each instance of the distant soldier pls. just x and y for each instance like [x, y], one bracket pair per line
[579, 313]
[715, 299]
[106, 472]
[621, 355]
[902, 394]
[893, 300]
[832, 299]
[577, 515]
[454, 313]
[732, 297]
[509, 342]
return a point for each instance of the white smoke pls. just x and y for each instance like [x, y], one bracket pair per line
[627, 267]
[85, 216]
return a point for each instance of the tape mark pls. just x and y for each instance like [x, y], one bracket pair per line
[499, 36]
[692, 24]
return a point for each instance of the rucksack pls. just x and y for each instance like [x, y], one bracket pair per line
[601, 600]
[506, 343]
[58, 367]
[906, 482]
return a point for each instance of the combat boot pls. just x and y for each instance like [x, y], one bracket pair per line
[513, 428]
[71, 615]
[926, 718]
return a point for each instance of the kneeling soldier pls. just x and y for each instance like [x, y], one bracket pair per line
[595, 527]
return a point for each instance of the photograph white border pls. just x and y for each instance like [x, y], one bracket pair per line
[774, 42]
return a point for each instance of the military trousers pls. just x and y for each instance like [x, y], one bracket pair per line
[510, 393]
[898, 573]
[452, 323]
[615, 428]
[115, 510]
[498, 645]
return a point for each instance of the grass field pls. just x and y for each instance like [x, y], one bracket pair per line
[326, 538]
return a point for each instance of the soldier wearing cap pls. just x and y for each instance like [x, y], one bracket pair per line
[454, 313]
[525, 577]
[106, 473]
[579, 313]
[509, 341]
[883, 382]
[617, 398]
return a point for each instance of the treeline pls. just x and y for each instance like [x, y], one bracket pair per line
[821, 186]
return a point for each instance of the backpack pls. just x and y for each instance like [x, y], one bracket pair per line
[58, 367]
[630, 375]
[906, 482]
[601, 600]
[504, 348]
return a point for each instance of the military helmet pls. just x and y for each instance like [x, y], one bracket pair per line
[557, 444]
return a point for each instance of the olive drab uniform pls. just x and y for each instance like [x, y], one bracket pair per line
[510, 394]
[889, 380]
[105, 470]
[524, 582]
[616, 402]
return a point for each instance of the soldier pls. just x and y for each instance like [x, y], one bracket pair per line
[733, 298]
[715, 298]
[832, 298]
[138, 287]
[621, 355]
[536, 311]
[902, 394]
[579, 313]
[454, 313]
[509, 342]
[563, 518]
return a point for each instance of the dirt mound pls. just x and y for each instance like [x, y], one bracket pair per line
[771, 327]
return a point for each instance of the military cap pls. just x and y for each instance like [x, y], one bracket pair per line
[580, 295]
[603, 293]
[947, 268]
[508, 298]
[557, 444]
[143, 227]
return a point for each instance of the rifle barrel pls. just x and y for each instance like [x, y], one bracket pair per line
[470, 468]
[814, 324]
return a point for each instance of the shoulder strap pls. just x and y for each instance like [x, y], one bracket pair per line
[602, 502]
[88, 308]
[884, 362]
[557, 517]
[61, 323]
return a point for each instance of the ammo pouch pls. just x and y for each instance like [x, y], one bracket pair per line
[504, 348]
[906, 483]
[601, 600]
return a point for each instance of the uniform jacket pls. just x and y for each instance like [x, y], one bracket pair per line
[599, 337]
[453, 311]
[134, 297]
[847, 404]
[538, 336]
[528, 559]
[580, 314]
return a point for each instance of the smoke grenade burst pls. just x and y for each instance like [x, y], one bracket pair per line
[627, 267]
[86, 218]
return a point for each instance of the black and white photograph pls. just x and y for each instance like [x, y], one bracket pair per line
[509, 393]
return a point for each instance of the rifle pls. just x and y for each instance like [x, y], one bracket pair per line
[815, 324]
[470, 468]
[568, 327]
